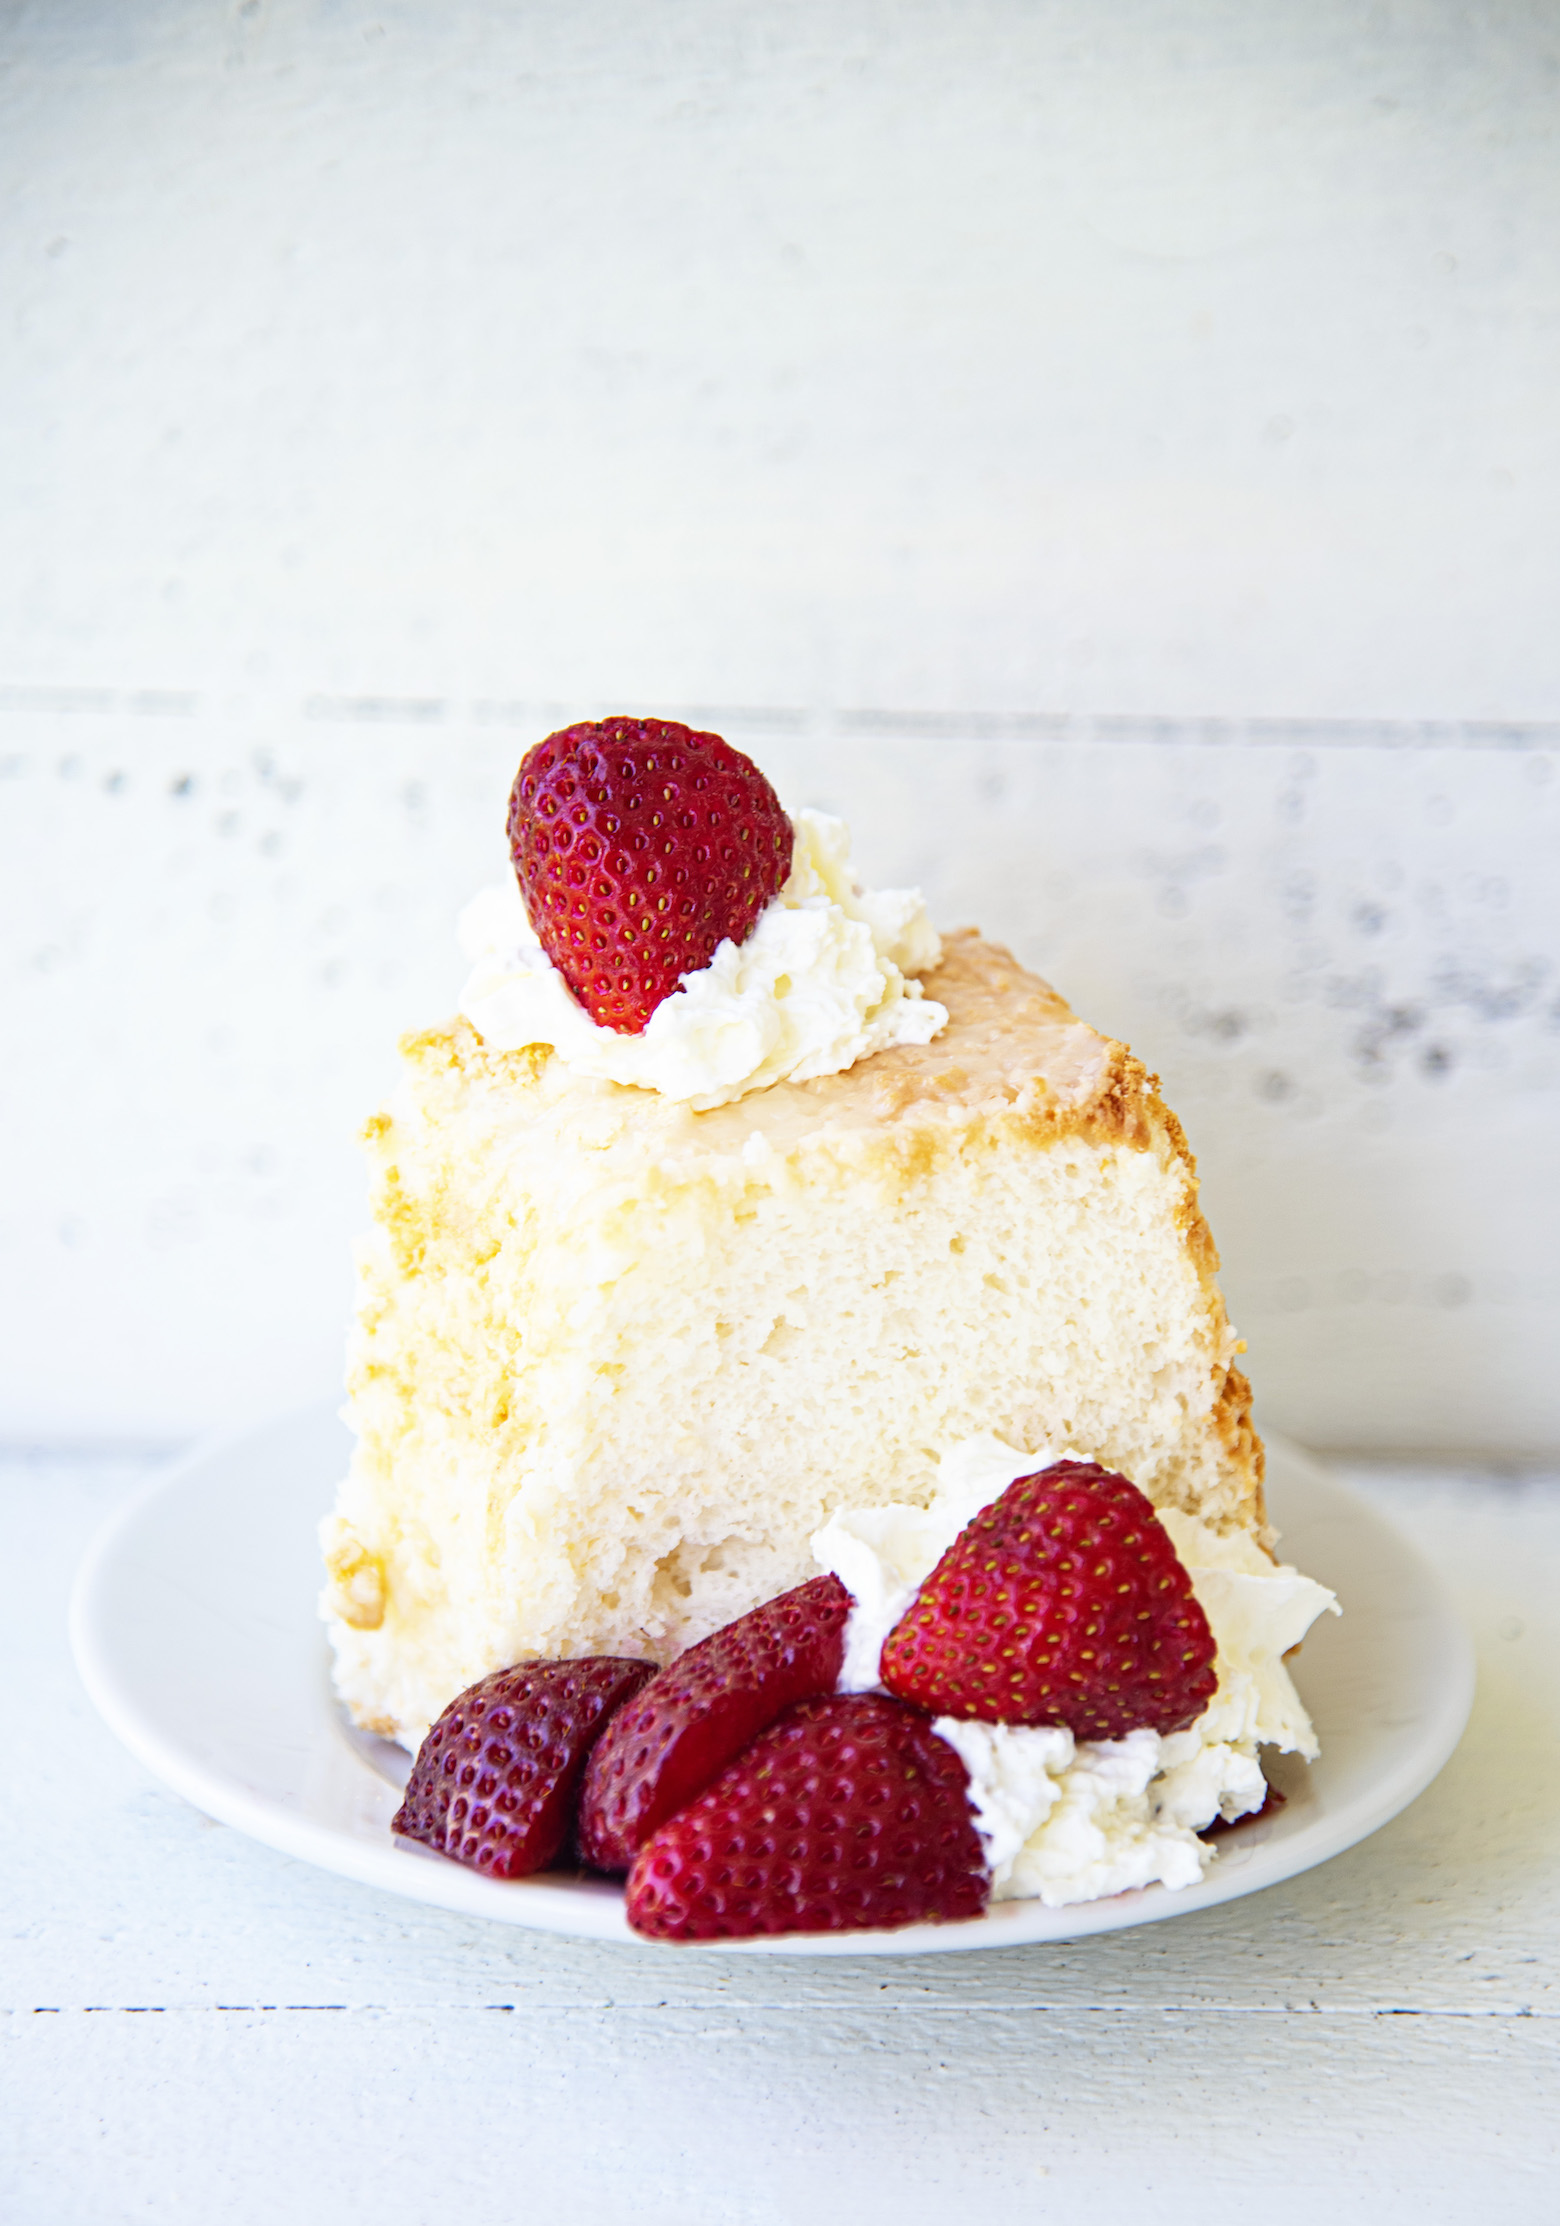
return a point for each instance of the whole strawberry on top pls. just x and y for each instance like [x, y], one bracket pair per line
[1062, 1603]
[640, 846]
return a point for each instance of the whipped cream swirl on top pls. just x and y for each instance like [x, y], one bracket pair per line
[827, 976]
[1064, 1820]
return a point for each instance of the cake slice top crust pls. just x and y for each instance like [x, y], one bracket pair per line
[1012, 1046]
[1009, 1037]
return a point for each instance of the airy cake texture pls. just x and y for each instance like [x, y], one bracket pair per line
[616, 1360]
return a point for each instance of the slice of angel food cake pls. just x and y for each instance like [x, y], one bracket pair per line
[740, 1228]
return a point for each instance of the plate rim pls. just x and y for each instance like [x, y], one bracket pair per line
[581, 1908]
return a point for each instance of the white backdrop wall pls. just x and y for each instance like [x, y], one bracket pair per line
[1111, 452]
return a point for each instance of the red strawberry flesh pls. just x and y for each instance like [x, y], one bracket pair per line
[1062, 1603]
[701, 1710]
[847, 1815]
[494, 1782]
[639, 846]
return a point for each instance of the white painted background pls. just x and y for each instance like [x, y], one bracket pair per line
[1109, 450]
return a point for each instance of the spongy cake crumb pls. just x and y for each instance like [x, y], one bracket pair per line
[615, 1361]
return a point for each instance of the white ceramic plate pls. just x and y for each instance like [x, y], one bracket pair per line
[195, 1632]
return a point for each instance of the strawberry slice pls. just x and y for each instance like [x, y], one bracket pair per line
[702, 1709]
[848, 1815]
[494, 1782]
[1063, 1602]
[639, 847]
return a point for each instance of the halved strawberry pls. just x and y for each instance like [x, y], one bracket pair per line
[848, 1815]
[494, 1782]
[1063, 1602]
[639, 847]
[702, 1709]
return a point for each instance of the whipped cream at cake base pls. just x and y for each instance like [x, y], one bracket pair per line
[826, 978]
[1064, 1820]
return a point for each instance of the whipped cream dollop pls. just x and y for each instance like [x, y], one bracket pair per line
[827, 976]
[1064, 1820]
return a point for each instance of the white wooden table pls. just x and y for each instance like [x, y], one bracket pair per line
[199, 2030]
